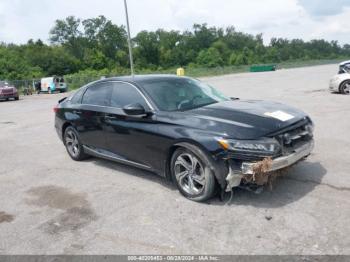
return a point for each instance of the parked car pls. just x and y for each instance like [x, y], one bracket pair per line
[184, 130]
[7, 91]
[340, 83]
[342, 65]
[52, 84]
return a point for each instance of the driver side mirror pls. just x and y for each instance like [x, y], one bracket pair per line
[134, 110]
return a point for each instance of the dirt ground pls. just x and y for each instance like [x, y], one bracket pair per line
[50, 204]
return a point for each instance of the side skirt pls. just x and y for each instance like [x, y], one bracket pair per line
[113, 157]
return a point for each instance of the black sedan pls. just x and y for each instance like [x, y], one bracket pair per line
[184, 130]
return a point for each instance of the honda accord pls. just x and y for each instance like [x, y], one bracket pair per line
[184, 130]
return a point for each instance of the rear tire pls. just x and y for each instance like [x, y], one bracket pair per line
[73, 145]
[345, 88]
[190, 171]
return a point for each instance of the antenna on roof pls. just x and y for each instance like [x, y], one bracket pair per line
[129, 38]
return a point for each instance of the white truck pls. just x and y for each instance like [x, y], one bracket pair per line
[53, 84]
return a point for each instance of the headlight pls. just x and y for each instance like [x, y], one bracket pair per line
[335, 79]
[310, 128]
[263, 147]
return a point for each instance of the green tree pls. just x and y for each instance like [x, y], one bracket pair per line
[204, 36]
[96, 46]
[223, 49]
[233, 58]
[210, 58]
[147, 50]
[104, 35]
[66, 32]
[14, 67]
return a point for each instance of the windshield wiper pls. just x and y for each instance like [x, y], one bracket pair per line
[199, 106]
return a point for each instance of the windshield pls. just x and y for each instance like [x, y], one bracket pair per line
[3, 84]
[344, 69]
[181, 94]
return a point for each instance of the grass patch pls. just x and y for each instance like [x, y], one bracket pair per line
[296, 64]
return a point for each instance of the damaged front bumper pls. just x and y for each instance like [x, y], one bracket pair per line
[281, 162]
[260, 173]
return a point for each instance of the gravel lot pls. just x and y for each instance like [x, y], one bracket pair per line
[50, 204]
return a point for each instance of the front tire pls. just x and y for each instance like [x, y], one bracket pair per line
[345, 88]
[190, 170]
[73, 145]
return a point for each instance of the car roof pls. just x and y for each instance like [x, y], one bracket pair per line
[142, 78]
[344, 63]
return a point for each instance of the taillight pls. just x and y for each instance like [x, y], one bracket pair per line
[56, 109]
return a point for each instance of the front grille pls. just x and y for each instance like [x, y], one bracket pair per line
[6, 95]
[245, 157]
[294, 137]
[7, 92]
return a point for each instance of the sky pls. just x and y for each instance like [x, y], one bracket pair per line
[21, 20]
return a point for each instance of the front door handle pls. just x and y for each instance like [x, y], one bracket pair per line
[110, 117]
[77, 112]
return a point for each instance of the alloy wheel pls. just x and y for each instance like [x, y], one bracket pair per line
[347, 88]
[189, 174]
[72, 143]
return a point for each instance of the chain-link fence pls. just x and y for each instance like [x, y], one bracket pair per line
[74, 82]
[29, 87]
[24, 87]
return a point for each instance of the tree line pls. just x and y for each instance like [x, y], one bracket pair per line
[96, 44]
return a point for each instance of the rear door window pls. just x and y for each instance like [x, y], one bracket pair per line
[97, 95]
[76, 98]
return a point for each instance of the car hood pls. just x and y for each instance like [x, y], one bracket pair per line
[243, 119]
[340, 77]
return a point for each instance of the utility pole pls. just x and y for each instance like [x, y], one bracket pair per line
[129, 39]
